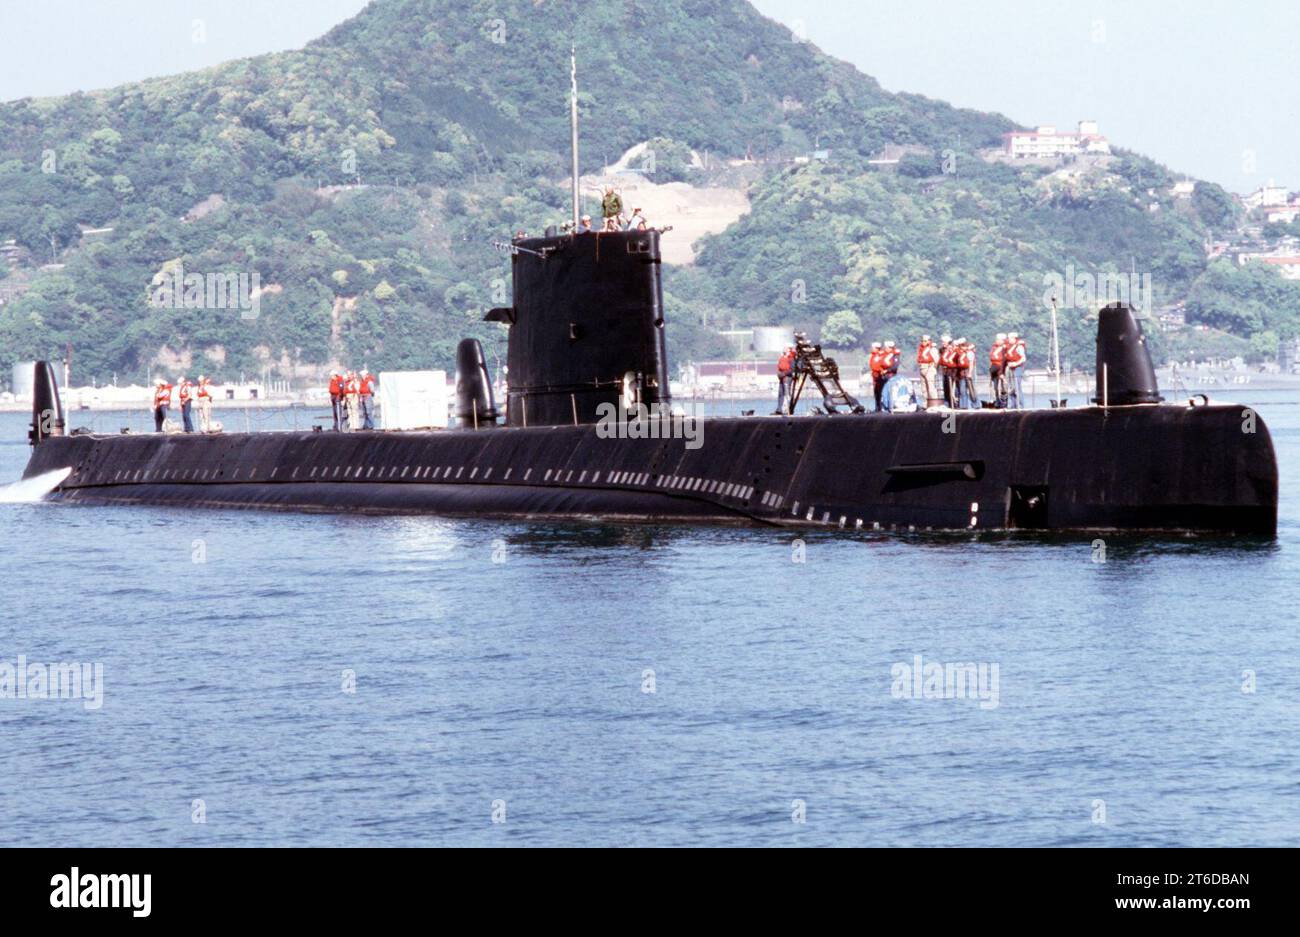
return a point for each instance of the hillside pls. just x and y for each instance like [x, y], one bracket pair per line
[363, 179]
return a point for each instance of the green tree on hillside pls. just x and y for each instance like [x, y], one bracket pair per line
[843, 329]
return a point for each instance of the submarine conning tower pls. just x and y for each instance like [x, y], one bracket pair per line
[1125, 374]
[586, 327]
[47, 407]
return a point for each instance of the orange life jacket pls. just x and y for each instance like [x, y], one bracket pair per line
[1016, 353]
[204, 392]
[336, 385]
[998, 353]
[783, 364]
[368, 385]
[350, 386]
[185, 392]
[877, 360]
[925, 353]
[162, 397]
[947, 356]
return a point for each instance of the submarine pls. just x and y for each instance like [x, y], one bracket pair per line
[586, 339]
[588, 431]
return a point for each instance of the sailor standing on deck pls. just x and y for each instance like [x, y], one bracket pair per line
[891, 357]
[204, 394]
[961, 399]
[1016, 357]
[997, 374]
[352, 390]
[186, 393]
[889, 360]
[366, 386]
[876, 362]
[336, 396]
[958, 382]
[966, 374]
[611, 208]
[927, 362]
[947, 364]
[784, 378]
[162, 401]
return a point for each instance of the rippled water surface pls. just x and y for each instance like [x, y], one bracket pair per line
[506, 664]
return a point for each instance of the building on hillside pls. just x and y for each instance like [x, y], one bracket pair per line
[1267, 196]
[1183, 189]
[1288, 356]
[1288, 266]
[14, 253]
[1282, 214]
[1047, 143]
[1173, 318]
[1215, 249]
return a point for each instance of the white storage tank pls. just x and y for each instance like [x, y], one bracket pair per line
[24, 381]
[772, 339]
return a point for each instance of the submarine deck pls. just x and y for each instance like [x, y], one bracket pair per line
[1151, 467]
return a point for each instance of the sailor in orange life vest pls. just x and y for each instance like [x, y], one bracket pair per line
[204, 395]
[927, 362]
[967, 397]
[336, 396]
[162, 401]
[1016, 356]
[876, 362]
[366, 388]
[352, 391]
[185, 389]
[784, 378]
[891, 357]
[997, 377]
[889, 361]
[948, 368]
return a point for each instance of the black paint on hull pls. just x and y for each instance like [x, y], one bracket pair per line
[1163, 468]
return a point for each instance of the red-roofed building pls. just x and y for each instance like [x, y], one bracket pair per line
[1288, 266]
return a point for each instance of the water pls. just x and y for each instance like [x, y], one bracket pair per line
[521, 681]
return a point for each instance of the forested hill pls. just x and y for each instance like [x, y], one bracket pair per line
[364, 177]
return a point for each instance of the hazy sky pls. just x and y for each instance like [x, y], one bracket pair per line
[1207, 87]
[1201, 85]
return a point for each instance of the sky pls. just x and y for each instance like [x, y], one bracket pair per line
[1206, 87]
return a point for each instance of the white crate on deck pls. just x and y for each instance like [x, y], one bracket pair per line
[412, 399]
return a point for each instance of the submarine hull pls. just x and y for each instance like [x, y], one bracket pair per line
[1158, 468]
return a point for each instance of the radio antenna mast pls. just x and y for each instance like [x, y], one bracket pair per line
[573, 121]
[1056, 354]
